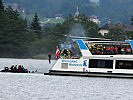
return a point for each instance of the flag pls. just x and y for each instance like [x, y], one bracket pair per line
[57, 53]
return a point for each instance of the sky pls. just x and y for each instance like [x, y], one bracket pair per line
[94, 0]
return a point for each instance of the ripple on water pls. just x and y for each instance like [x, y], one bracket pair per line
[40, 87]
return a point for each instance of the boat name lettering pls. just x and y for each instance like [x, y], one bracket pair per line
[75, 64]
[69, 61]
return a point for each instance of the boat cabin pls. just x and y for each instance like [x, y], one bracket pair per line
[99, 55]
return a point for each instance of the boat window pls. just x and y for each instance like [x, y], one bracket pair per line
[120, 64]
[64, 65]
[99, 63]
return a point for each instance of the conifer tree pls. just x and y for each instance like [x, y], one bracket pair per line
[35, 26]
[132, 20]
[35, 23]
[2, 18]
[1, 6]
[13, 36]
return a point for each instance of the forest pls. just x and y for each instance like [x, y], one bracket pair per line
[20, 39]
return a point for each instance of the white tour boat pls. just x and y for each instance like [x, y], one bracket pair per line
[100, 58]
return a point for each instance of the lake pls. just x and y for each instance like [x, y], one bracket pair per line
[23, 86]
[31, 64]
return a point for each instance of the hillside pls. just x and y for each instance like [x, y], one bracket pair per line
[51, 8]
[116, 10]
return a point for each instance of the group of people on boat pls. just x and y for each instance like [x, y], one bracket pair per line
[110, 50]
[65, 54]
[68, 54]
[20, 68]
[15, 68]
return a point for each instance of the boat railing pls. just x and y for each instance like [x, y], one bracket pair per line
[110, 50]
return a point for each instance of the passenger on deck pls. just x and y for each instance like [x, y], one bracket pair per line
[19, 68]
[12, 67]
[69, 54]
[15, 68]
[129, 50]
[119, 49]
[22, 68]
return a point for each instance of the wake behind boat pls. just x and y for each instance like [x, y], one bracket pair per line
[99, 58]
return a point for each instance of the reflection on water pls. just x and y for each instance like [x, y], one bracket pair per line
[39, 87]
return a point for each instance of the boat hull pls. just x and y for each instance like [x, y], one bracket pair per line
[14, 71]
[90, 74]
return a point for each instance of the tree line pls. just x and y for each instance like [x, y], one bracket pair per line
[21, 40]
[17, 39]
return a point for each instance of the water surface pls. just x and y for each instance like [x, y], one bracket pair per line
[39, 87]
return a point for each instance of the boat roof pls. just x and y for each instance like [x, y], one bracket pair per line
[95, 48]
[87, 38]
[108, 42]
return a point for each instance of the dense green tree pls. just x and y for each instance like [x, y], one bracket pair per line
[88, 28]
[1, 15]
[71, 25]
[116, 34]
[35, 25]
[1, 6]
[132, 20]
[13, 37]
[130, 35]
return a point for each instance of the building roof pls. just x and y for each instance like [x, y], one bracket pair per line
[93, 17]
[123, 27]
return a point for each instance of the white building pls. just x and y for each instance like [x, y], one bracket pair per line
[103, 31]
[94, 19]
[58, 16]
[107, 27]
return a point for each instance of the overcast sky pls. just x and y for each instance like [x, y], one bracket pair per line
[94, 0]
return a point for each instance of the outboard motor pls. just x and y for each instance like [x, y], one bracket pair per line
[6, 68]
